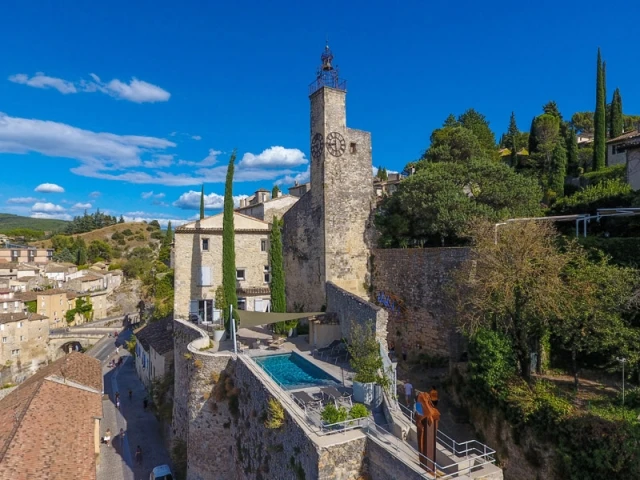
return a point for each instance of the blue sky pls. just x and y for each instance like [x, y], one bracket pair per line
[130, 106]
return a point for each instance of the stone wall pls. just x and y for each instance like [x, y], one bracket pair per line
[201, 411]
[303, 255]
[287, 452]
[350, 309]
[411, 285]
[382, 465]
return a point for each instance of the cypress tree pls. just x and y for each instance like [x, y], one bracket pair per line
[558, 168]
[512, 141]
[600, 126]
[616, 120]
[202, 203]
[275, 191]
[168, 238]
[572, 152]
[278, 300]
[606, 106]
[228, 243]
[533, 140]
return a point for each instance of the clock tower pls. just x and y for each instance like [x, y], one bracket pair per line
[328, 240]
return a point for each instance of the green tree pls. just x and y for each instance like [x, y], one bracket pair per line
[516, 285]
[551, 108]
[99, 250]
[278, 300]
[168, 238]
[275, 191]
[202, 203]
[606, 105]
[600, 125]
[631, 122]
[28, 234]
[228, 242]
[558, 169]
[582, 122]
[491, 362]
[451, 121]
[81, 251]
[436, 204]
[121, 220]
[572, 152]
[451, 144]
[616, 119]
[155, 224]
[511, 140]
[532, 146]
[547, 131]
[478, 124]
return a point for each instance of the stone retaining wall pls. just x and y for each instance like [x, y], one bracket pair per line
[410, 284]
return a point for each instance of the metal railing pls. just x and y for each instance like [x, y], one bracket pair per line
[473, 460]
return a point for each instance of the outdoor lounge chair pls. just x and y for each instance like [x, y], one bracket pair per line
[328, 348]
[277, 343]
[305, 400]
[330, 355]
[336, 395]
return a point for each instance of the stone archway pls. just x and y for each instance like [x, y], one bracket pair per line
[73, 346]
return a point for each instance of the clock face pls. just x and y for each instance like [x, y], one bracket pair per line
[317, 145]
[336, 144]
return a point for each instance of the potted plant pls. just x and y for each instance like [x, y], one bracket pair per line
[218, 332]
[367, 364]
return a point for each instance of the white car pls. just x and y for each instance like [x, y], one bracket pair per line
[162, 472]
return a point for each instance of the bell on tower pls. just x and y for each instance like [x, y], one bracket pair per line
[327, 75]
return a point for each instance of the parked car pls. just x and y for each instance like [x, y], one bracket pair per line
[162, 472]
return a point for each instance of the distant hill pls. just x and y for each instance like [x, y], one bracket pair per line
[9, 222]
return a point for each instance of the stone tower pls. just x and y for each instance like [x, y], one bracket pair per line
[325, 234]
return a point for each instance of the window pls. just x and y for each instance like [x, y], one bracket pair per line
[205, 276]
[5, 339]
[2, 326]
[263, 245]
[267, 274]
[240, 274]
[15, 353]
[205, 244]
[242, 304]
[20, 324]
[22, 338]
[4, 305]
[352, 148]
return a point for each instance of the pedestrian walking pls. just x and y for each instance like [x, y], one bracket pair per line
[408, 394]
[130, 394]
[118, 404]
[433, 394]
[121, 435]
[117, 350]
[117, 396]
[107, 437]
[139, 455]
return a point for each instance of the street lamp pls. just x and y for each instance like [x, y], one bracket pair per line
[622, 360]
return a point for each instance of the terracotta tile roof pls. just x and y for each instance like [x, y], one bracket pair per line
[27, 268]
[9, 265]
[47, 423]
[56, 269]
[625, 136]
[158, 335]
[89, 278]
[17, 317]
[52, 291]
[26, 279]
[26, 296]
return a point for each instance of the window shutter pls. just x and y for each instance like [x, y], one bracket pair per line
[258, 305]
[193, 306]
[205, 276]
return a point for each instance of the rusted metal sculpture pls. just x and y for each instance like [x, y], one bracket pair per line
[427, 417]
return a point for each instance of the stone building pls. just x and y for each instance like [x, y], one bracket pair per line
[53, 304]
[23, 343]
[198, 266]
[326, 233]
[154, 350]
[263, 207]
[10, 301]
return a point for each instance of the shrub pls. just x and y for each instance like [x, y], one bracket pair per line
[606, 194]
[275, 416]
[140, 237]
[491, 363]
[365, 355]
[117, 236]
[332, 414]
[358, 411]
[156, 234]
[127, 232]
[614, 172]
[631, 397]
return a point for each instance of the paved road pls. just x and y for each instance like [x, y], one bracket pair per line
[139, 425]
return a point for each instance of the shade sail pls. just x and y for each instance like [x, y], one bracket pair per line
[253, 319]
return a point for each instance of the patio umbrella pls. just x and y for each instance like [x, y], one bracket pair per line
[253, 319]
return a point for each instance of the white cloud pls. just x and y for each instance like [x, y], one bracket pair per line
[81, 206]
[374, 170]
[196, 137]
[47, 207]
[22, 200]
[137, 91]
[162, 219]
[274, 157]
[208, 161]
[40, 80]
[150, 194]
[191, 201]
[301, 177]
[43, 187]
[159, 161]
[95, 194]
[57, 216]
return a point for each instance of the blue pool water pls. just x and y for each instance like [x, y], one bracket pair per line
[292, 371]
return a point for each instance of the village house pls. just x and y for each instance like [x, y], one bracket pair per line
[53, 304]
[89, 282]
[154, 350]
[9, 303]
[387, 187]
[9, 270]
[263, 207]
[12, 253]
[23, 340]
[50, 424]
[59, 272]
[299, 190]
[198, 266]
[100, 303]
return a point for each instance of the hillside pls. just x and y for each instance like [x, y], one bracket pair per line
[9, 222]
[135, 234]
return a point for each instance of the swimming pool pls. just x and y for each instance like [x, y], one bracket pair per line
[292, 371]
